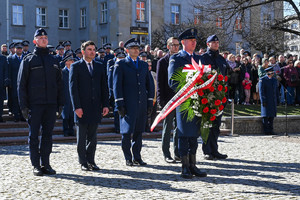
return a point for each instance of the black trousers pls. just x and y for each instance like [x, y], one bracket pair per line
[211, 146]
[135, 145]
[86, 142]
[187, 145]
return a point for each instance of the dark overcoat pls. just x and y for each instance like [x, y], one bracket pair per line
[87, 91]
[134, 90]
[269, 95]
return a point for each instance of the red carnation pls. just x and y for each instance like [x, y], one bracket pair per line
[217, 102]
[220, 87]
[226, 88]
[213, 111]
[226, 78]
[204, 101]
[221, 107]
[205, 110]
[220, 77]
[209, 76]
[212, 118]
[200, 81]
[224, 100]
[211, 89]
[200, 93]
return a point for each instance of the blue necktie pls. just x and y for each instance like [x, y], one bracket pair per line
[90, 68]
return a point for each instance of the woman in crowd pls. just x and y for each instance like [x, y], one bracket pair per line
[261, 69]
[297, 65]
[234, 74]
[291, 76]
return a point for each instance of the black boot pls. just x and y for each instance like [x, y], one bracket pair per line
[185, 172]
[194, 170]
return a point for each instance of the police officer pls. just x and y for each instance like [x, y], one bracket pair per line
[134, 92]
[110, 69]
[78, 54]
[188, 131]
[40, 92]
[59, 52]
[269, 97]
[11, 49]
[25, 44]
[108, 55]
[217, 62]
[14, 62]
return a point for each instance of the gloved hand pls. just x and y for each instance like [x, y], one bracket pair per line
[122, 111]
[25, 113]
[58, 113]
[264, 104]
[149, 111]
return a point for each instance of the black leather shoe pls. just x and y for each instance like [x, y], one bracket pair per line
[93, 167]
[209, 157]
[48, 170]
[177, 158]
[220, 156]
[169, 159]
[139, 162]
[129, 163]
[37, 171]
[85, 167]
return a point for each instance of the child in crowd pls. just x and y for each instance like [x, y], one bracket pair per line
[247, 87]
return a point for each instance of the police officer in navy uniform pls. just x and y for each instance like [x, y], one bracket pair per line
[40, 91]
[89, 96]
[67, 113]
[188, 131]
[134, 92]
[60, 52]
[11, 49]
[217, 62]
[108, 55]
[110, 69]
[78, 54]
[269, 97]
[25, 45]
[13, 69]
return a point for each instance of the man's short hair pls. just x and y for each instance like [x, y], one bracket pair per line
[4, 45]
[87, 43]
[169, 41]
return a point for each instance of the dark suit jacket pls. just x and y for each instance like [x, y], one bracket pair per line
[88, 92]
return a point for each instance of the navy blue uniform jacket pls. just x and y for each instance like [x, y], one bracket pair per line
[268, 92]
[216, 61]
[13, 69]
[88, 92]
[184, 128]
[40, 80]
[133, 90]
[67, 112]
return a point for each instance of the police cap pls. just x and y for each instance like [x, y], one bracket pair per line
[18, 45]
[143, 54]
[107, 46]
[101, 50]
[212, 38]
[121, 54]
[40, 32]
[190, 33]
[12, 45]
[67, 43]
[58, 47]
[68, 57]
[25, 43]
[133, 42]
[78, 51]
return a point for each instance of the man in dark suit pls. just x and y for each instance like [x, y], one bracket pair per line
[40, 92]
[188, 131]
[134, 92]
[89, 96]
[3, 82]
[14, 62]
[67, 113]
[164, 94]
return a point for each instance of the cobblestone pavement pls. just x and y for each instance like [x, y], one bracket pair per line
[258, 167]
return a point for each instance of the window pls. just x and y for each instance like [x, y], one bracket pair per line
[82, 18]
[41, 17]
[143, 39]
[238, 24]
[197, 15]
[140, 11]
[294, 26]
[103, 40]
[17, 15]
[219, 22]
[267, 20]
[63, 19]
[104, 12]
[294, 48]
[175, 14]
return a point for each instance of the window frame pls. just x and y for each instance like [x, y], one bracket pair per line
[63, 17]
[36, 16]
[219, 22]
[238, 24]
[198, 15]
[104, 12]
[175, 13]
[14, 13]
[140, 12]
[83, 18]
[103, 40]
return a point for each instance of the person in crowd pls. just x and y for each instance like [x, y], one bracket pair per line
[245, 67]
[67, 113]
[59, 52]
[13, 69]
[25, 45]
[121, 45]
[261, 69]
[134, 92]
[39, 102]
[201, 51]
[188, 131]
[148, 51]
[247, 83]
[269, 98]
[233, 73]
[164, 94]
[281, 63]
[101, 56]
[4, 51]
[11, 49]
[291, 76]
[159, 55]
[255, 79]
[297, 66]
[108, 54]
[78, 54]
[89, 97]
[3, 82]
[143, 56]
[217, 62]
